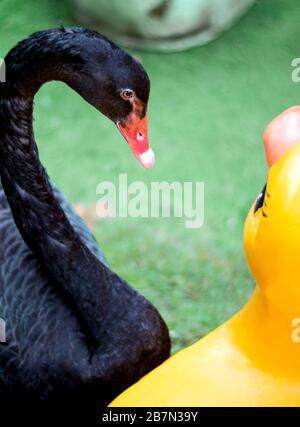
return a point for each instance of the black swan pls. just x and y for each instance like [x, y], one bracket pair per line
[73, 327]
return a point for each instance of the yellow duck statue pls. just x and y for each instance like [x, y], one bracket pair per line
[253, 359]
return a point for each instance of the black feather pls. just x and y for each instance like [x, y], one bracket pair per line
[74, 328]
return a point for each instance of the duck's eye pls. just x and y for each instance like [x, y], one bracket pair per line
[260, 199]
[127, 94]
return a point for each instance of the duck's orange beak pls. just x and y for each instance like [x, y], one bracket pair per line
[282, 133]
[135, 131]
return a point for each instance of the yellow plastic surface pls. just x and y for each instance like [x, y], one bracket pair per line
[254, 358]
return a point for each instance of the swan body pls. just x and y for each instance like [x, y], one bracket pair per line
[73, 327]
[35, 317]
[254, 358]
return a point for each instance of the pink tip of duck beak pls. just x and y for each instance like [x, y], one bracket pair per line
[281, 134]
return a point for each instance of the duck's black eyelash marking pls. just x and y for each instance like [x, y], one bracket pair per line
[260, 200]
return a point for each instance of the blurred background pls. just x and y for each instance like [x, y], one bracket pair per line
[208, 109]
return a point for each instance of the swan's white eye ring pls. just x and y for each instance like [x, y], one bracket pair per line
[127, 94]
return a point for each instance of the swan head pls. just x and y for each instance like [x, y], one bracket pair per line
[116, 84]
[272, 227]
[107, 77]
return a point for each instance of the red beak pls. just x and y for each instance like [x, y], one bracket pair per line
[135, 131]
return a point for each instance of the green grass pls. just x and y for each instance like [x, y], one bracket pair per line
[208, 109]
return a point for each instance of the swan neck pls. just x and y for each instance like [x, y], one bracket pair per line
[41, 220]
[43, 57]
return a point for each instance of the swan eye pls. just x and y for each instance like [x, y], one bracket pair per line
[127, 94]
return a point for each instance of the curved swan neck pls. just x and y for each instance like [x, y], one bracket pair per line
[45, 56]
[38, 215]
[40, 219]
